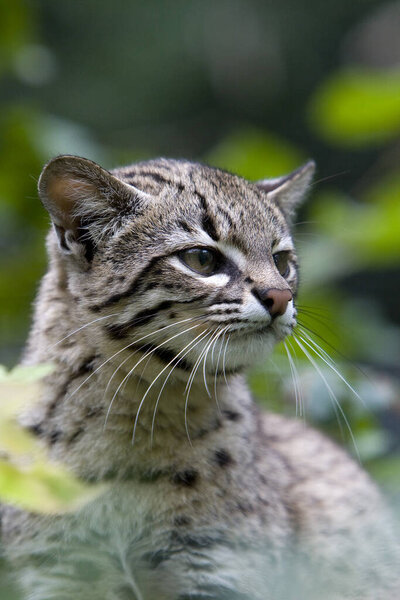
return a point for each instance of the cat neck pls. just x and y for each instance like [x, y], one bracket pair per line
[127, 429]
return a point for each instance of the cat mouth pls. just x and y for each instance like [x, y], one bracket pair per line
[261, 329]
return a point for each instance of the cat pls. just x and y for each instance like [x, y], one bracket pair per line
[167, 279]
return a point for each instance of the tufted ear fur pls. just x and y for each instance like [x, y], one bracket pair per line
[85, 202]
[288, 191]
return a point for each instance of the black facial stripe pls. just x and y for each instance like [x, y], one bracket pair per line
[163, 354]
[228, 301]
[155, 176]
[121, 330]
[131, 289]
[207, 222]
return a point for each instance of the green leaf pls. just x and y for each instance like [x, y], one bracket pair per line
[27, 477]
[357, 107]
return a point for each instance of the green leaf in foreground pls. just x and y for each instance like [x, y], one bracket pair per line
[27, 477]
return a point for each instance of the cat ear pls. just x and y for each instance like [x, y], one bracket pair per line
[85, 202]
[288, 191]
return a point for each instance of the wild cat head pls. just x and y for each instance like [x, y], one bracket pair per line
[179, 262]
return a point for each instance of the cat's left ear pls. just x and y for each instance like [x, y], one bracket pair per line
[288, 191]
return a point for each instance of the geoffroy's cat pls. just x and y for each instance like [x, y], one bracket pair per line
[166, 280]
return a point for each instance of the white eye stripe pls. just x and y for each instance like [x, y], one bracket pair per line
[234, 254]
[284, 245]
[218, 280]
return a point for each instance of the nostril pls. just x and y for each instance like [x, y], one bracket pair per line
[269, 303]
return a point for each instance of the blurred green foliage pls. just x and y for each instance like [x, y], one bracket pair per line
[357, 107]
[27, 477]
[257, 89]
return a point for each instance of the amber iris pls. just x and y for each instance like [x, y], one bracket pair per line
[281, 260]
[201, 260]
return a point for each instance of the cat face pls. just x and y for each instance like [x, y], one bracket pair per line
[192, 265]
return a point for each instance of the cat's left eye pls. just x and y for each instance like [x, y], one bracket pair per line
[281, 260]
[202, 260]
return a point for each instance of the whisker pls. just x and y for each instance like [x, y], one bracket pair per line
[213, 339]
[331, 394]
[312, 344]
[83, 327]
[140, 361]
[222, 333]
[134, 353]
[295, 378]
[194, 343]
[224, 359]
[157, 377]
[122, 350]
[189, 386]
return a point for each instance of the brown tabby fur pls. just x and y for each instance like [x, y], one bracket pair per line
[206, 497]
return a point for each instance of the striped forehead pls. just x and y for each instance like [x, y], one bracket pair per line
[226, 207]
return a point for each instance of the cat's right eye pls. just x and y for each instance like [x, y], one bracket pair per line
[202, 260]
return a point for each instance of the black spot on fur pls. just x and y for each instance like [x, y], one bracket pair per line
[76, 435]
[54, 436]
[36, 429]
[223, 458]
[185, 226]
[182, 521]
[186, 478]
[93, 411]
[232, 415]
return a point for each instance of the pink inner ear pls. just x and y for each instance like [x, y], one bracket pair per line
[62, 193]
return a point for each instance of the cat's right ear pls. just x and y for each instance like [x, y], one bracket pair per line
[86, 203]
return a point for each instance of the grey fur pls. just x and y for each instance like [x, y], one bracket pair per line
[207, 497]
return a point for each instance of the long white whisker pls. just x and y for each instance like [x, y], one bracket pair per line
[312, 344]
[194, 343]
[156, 378]
[330, 392]
[224, 359]
[140, 361]
[189, 386]
[295, 380]
[213, 339]
[222, 333]
[83, 327]
[125, 348]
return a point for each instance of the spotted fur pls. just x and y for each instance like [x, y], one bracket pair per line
[205, 496]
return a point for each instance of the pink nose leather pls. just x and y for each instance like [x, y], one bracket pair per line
[275, 301]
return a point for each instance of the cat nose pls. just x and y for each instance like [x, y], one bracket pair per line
[275, 301]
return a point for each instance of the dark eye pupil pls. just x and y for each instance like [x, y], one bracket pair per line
[205, 257]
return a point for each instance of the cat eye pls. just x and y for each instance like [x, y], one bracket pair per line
[202, 260]
[281, 260]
